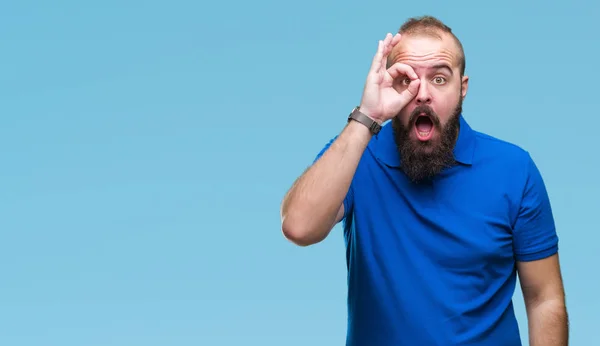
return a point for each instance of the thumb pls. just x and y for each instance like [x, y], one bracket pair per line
[413, 88]
[407, 94]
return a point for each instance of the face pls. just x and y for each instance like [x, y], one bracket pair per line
[427, 128]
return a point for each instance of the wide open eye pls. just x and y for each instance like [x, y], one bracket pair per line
[439, 80]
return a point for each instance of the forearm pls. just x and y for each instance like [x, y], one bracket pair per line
[310, 208]
[548, 323]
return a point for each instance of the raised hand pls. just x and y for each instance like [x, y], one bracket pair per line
[380, 100]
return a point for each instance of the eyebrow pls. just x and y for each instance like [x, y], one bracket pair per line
[442, 66]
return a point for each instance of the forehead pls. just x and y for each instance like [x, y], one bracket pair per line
[424, 51]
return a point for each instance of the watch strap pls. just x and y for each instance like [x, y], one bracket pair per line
[362, 118]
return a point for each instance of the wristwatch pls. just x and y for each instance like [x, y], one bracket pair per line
[357, 115]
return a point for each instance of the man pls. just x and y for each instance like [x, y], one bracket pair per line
[438, 218]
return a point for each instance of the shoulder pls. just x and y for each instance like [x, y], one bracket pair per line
[494, 150]
[506, 164]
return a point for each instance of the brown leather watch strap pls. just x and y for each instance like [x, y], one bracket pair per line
[357, 115]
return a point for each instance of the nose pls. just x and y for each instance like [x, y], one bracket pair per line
[423, 96]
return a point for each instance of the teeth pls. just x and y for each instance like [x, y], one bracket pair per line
[423, 133]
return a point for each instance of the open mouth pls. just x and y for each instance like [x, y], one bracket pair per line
[424, 127]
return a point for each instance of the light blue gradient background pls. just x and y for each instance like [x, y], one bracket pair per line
[146, 146]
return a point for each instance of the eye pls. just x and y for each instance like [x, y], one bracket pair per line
[406, 81]
[439, 80]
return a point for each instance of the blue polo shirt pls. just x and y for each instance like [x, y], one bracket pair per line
[434, 264]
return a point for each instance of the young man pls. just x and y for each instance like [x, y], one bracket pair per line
[438, 218]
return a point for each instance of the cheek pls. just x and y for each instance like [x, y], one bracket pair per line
[446, 106]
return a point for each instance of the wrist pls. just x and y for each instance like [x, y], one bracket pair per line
[357, 115]
[369, 113]
[358, 133]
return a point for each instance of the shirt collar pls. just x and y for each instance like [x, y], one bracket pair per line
[385, 148]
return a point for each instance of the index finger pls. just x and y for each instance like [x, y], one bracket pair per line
[400, 69]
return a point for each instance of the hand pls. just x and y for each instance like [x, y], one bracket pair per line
[380, 101]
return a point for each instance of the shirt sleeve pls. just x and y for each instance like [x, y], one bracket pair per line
[349, 199]
[534, 232]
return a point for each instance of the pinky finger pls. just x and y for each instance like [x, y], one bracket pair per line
[376, 63]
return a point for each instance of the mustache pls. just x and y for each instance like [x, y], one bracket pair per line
[424, 109]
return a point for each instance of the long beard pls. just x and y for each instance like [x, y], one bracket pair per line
[422, 161]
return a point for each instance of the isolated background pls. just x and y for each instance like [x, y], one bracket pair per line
[146, 146]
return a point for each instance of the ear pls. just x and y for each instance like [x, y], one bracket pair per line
[465, 86]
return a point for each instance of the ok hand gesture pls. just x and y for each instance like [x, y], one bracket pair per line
[380, 100]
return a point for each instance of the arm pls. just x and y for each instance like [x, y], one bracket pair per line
[314, 204]
[536, 252]
[544, 295]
